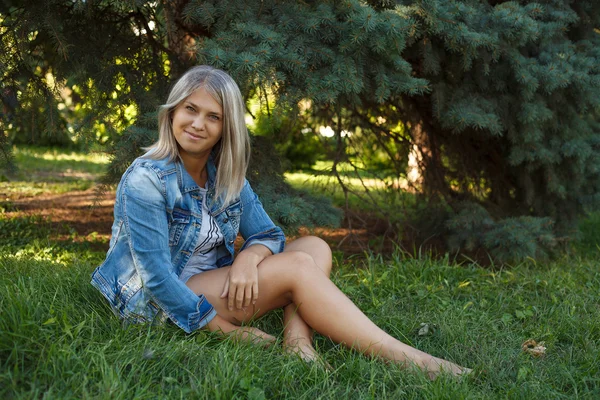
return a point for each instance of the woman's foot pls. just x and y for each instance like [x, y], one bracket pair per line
[302, 348]
[305, 350]
[435, 366]
[254, 336]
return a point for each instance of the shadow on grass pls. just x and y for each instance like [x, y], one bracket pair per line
[35, 237]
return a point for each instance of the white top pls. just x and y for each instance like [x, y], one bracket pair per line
[205, 254]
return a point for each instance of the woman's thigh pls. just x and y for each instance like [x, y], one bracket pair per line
[276, 277]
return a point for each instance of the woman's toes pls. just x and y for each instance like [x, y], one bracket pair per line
[307, 353]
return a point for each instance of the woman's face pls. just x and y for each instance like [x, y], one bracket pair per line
[197, 124]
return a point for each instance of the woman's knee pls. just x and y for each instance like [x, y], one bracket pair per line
[317, 248]
[300, 262]
[291, 266]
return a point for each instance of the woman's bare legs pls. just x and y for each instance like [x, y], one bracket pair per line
[293, 277]
[297, 334]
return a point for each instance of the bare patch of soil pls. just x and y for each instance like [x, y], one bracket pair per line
[78, 214]
[74, 215]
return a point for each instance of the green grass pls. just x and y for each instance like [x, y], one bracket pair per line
[59, 339]
[327, 185]
[589, 242]
[51, 171]
[56, 160]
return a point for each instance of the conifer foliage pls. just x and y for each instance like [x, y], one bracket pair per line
[500, 100]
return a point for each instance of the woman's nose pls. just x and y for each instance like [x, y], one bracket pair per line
[198, 123]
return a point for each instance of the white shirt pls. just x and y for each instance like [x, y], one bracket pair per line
[205, 254]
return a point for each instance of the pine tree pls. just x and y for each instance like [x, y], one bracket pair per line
[501, 99]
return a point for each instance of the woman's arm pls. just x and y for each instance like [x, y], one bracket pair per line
[263, 238]
[256, 227]
[145, 215]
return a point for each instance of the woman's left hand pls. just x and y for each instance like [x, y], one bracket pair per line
[241, 285]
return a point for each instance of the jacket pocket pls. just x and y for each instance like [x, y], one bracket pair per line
[233, 214]
[178, 220]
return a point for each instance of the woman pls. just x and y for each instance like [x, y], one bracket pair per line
[178, 210]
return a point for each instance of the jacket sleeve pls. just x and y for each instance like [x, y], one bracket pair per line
[143, 200]
[255, 225]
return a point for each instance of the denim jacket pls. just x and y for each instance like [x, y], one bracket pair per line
[157, 220]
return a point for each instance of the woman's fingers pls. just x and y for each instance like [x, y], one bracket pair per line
[243, 282]
[242, 296]
[239, 297]
[225, 288]
[255, 292]
[231, 298]
[248, 295]
[236, 296]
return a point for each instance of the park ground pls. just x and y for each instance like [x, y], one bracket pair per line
[58, 339]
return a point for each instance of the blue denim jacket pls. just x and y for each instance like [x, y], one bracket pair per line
[157, 219]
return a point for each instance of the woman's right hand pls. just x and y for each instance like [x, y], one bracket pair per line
[240, 333]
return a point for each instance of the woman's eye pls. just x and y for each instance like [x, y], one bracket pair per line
[215, 117]
[190, 108]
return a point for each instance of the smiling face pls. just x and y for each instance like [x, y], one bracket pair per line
[197, 126]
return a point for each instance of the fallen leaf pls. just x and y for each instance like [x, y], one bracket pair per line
[425, 329]
[534, 348]
[148, 354]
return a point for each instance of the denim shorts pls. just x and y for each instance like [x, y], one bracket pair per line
[194, 269]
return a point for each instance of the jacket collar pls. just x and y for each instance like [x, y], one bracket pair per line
[188, 184]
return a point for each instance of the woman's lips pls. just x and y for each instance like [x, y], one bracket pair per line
[194, 136]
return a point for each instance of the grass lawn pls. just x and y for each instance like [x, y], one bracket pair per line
[47, 171]
[364, 190]
[58, 338]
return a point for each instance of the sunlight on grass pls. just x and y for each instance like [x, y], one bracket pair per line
[43, 171]
[331, 182]
[385, 192]
[55, 154]
[346, 168]
[58, 164]
[19, 189]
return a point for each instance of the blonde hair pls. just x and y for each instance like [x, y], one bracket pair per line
[232, 152]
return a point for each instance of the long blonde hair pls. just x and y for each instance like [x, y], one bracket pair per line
[232, 152]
